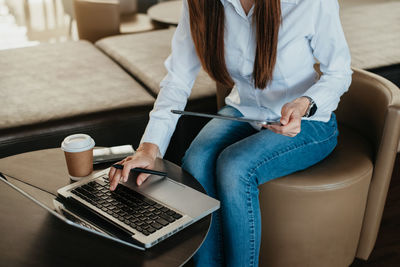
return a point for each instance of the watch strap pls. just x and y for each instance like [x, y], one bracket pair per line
[312, 107]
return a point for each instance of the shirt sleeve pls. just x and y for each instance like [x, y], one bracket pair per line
[182, 66]
[330, 49]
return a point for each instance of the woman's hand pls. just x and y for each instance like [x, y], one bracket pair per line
[144, 157]
[291, 117]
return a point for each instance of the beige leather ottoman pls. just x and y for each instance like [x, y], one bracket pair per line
[50, 91]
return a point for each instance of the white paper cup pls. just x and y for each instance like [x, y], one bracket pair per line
[78, 151]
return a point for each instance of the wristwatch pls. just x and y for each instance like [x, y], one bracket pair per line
[312, 108]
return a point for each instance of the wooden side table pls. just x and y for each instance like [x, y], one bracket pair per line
[166, 12]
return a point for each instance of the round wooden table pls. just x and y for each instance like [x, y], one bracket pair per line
[30, 236]
[166, 12]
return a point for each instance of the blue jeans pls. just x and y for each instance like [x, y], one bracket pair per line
[231, 159]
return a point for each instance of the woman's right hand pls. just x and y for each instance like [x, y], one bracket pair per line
[144, 157]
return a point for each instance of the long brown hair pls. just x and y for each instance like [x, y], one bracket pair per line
[207, 24]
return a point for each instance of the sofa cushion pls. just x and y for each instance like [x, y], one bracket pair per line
[53, 82]
[372, 31]
[143, 55]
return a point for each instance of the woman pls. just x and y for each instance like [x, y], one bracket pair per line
[265, 50]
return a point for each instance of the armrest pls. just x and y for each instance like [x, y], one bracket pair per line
[372, 107]
[97, 19]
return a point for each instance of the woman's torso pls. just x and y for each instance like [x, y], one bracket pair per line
[293, 73]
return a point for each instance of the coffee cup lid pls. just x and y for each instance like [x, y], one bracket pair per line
[77, 143]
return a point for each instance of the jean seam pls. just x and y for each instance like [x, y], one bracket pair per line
[280, 153]
[218, 222]
[250, 213]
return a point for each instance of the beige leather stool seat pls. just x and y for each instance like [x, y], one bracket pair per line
[330, 213]
[330, 195]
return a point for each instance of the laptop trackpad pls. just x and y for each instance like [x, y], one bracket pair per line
[173, 194]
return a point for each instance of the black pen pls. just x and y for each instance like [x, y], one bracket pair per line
[120, 167]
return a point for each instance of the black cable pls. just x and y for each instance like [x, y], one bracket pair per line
[41, 189]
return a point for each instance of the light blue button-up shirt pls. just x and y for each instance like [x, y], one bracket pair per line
[310, 31]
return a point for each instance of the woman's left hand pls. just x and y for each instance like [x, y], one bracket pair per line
[292, 113]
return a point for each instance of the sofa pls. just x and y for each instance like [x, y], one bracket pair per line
[53, 90]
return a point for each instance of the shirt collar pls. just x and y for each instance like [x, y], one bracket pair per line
[238, 7]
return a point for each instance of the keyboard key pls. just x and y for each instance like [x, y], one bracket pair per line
[120, 212]
[156, 225]
[142, 211]
[145, 233]
[177, 216]
[109, 212]
[153, 217]
[149, 201]
[167, 217]
[151, 209]
[162, 221]
[158, 206]
[147, 214]
[86, 187]
[170, 212]
[164, 209]
[150, 230]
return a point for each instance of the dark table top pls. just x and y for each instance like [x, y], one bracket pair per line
[30, 236]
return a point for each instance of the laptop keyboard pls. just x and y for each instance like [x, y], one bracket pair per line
[128, 206]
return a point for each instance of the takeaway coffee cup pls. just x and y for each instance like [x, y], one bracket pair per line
[78, 150]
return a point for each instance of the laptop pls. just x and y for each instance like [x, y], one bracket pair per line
[139, 217]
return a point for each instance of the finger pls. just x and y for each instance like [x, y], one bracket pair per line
[112, 171]
[127, 169]
[292, 127]
[286, 113]
[115, 181]
[141, 178]
[111, 174]
[275, 128]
